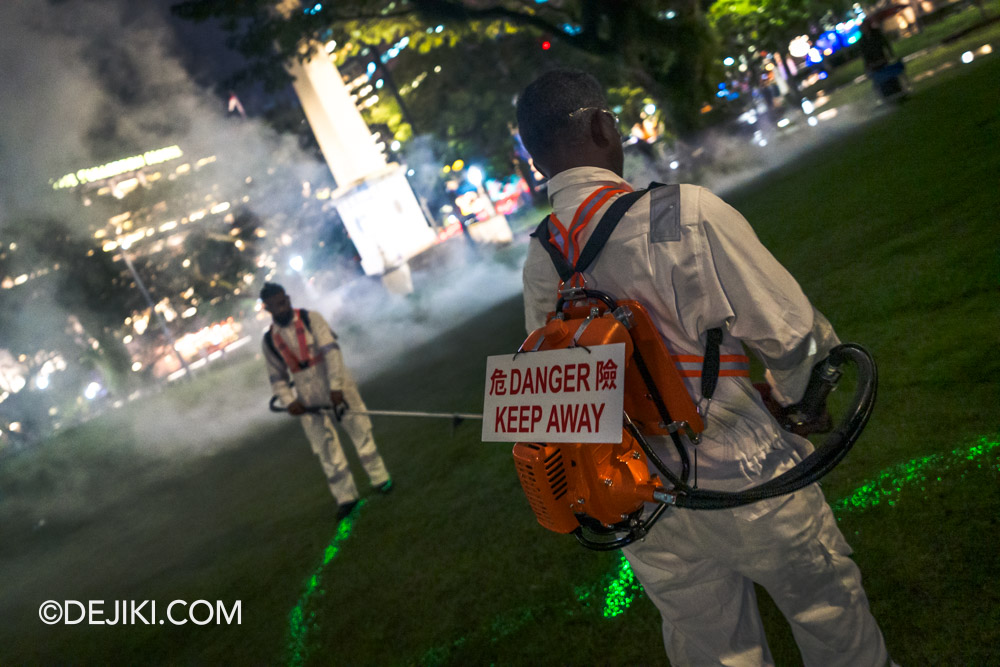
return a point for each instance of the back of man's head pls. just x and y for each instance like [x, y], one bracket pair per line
[544, 108]
[269, 290]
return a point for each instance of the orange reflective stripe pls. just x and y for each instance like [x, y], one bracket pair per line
[730, 365]
[586, 202]
[736, 372]
[563, 234]
[732, 358]
[741, 358]
[305, 359]
[300, 334]
[567, 239]
[570, 234]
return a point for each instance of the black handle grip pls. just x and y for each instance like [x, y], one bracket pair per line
[823, 379]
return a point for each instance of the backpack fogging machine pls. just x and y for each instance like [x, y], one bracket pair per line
[599, 491]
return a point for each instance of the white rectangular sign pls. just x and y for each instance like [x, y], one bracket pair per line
[570, 395]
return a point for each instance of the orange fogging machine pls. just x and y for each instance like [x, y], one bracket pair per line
[610, 494]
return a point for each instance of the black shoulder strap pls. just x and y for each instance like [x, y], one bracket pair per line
[604, 228]
[269, 341]
[304, 314]
[597, 240]
[563, 267]
[710, 366]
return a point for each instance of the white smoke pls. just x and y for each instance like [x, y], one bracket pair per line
[722, 161]
[377, 329]
[89, 81]
[99, 79]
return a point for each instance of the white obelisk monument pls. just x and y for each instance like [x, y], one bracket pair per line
[374, 199]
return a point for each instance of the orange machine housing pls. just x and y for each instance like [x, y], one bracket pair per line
[606, 481]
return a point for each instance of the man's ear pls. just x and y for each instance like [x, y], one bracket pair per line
[602, 132]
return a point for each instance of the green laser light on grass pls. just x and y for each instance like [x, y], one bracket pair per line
[621, 588]
[299, 623]
[625, 588]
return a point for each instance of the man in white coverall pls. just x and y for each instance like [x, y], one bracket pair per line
[696, 264]
[306, 369]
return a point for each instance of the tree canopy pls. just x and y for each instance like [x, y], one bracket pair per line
[769, 24]
[479, 53]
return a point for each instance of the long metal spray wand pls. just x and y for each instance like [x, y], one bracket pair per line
[454, 416]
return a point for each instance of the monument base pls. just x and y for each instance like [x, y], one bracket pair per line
[492, 230]
[384, 220]
[398, 280]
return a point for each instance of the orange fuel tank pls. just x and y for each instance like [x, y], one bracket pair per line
[605, 481]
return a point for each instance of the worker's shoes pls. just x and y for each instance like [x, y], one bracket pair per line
[345, 509]
[385, 487]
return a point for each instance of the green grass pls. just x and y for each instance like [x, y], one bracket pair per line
[892, 234]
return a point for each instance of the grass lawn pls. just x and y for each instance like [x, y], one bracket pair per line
[892, 232]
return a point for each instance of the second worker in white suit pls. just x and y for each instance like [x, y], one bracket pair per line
[307, 370]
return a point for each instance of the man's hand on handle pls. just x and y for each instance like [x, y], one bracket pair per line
[338, 403]
[297, 408]
[821, 423]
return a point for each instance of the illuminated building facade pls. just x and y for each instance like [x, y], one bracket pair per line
[155, 272]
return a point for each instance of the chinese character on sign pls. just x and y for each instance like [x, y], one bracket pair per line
[498, 386]
[607, 373]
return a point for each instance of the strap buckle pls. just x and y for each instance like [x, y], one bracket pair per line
[572, 292]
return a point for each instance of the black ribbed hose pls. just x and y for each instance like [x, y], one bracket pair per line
[827, 455]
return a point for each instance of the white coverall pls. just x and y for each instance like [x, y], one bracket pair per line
[701, 269]
[312, 387]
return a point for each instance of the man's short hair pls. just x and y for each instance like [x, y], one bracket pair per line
[269, 290]
[545, 105]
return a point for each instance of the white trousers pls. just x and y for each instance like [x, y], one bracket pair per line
[699, 566]
[323, 438]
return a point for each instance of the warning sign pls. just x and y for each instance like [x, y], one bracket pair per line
[569, 395]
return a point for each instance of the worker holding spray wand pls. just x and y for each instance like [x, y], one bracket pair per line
[306, 369]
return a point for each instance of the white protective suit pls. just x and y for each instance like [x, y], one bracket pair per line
[696, 264]
[312, 386]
